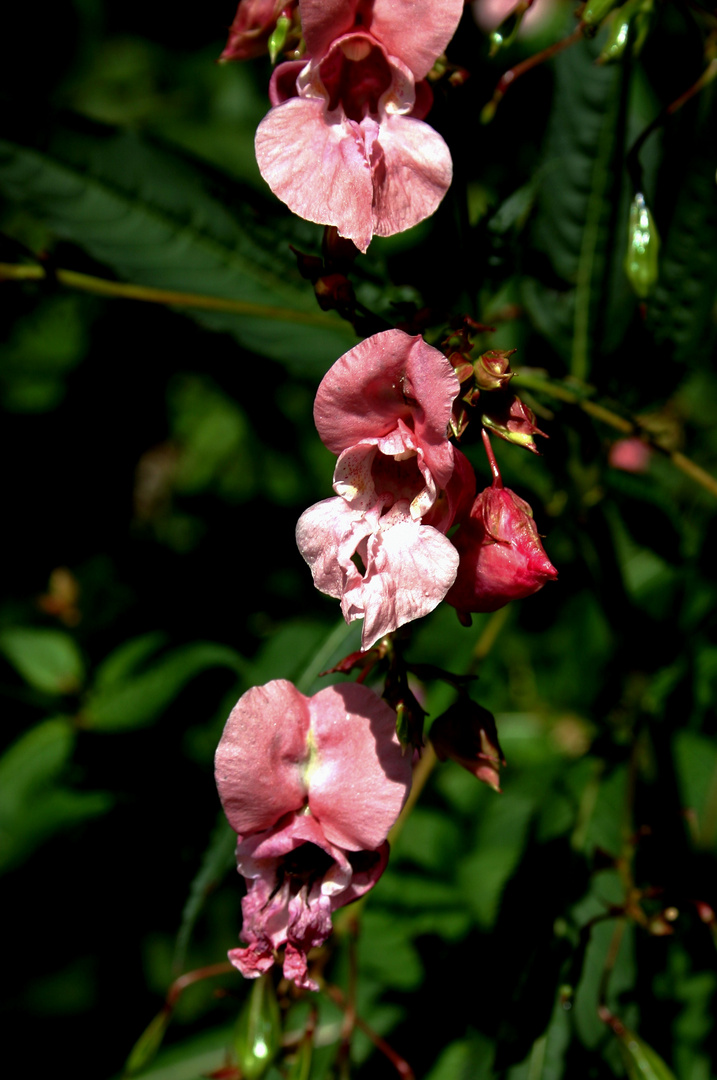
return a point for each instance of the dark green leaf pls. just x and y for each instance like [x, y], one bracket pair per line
[48, 659]
[155, 219]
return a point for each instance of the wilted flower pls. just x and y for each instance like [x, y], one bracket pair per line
[345, 143]
[380, 546]
[312, 787]
[466, 733]
[501, 556]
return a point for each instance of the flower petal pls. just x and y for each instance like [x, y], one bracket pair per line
[409, 569]
[412, 171]
[259, 759]
[389, 377]
[416, 31]
[317, 167]
[360, 779]
[324, 20]
[327, 535]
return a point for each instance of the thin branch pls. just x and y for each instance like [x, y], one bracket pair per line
[626, 425]
[400, 1064]
[103, 287]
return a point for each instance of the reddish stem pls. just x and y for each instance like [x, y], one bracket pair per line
[400, 1064]
[509, 77]
[497, 478]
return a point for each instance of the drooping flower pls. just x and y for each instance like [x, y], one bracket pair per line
[345, 143]
[380, 545]
[312, 787]
[501, 556]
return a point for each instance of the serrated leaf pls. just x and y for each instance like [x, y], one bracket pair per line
[48, 660]
[680, 313]
[578, 191]
[139, 700]
[156, 218]
[127, 658]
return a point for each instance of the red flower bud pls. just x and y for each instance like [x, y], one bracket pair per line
[467, 733]
[502, 558]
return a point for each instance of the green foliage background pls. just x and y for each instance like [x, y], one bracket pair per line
[163, 457]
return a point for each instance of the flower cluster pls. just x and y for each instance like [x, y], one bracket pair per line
[312, 787]
[380, 546]
[345, 143]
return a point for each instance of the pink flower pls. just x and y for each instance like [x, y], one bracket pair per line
[380, 545]
[502, 558]
[312, 787]
[631, 455]
[253, 24]
[345, 143]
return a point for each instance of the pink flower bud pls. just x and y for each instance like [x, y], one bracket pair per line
[501, 556]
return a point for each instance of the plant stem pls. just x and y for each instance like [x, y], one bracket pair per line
[121, 290]
[626, 425]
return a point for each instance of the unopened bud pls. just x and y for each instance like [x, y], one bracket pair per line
[642, 248]
[466, 733]
[595, 11]
[257, 1038]
[258, 27]
[492, 369]
[630, 23]
[501, 556]
[514, 422]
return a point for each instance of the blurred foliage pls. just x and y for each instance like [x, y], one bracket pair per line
[159, 459]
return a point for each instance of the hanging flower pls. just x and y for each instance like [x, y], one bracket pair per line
[312, 787]
[345, 143]
[380, 545]
[501, 556]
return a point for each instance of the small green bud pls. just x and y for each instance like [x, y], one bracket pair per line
[277, 40]
[145, 1049]
[257, 1037]
[642, 247]
[596, 10]
[630, 22]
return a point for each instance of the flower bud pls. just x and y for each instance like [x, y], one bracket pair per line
[630, 22]
[466, 733]
[492, 369]
[513, 421]
[642, 247]
[501, 556]
[258, 27]
[595, 11]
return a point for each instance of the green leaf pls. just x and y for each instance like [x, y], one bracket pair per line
[32, 806]
[641, 1061]
[145, 1049]
[680, 311]
[47, 659]
[218, 859]
[139, 700]
[578, 195]
[156, 218]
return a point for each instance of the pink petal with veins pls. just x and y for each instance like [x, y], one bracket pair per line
[259, 760]
[356, 806]
[319, 169]
[412, 171]
[389, 377]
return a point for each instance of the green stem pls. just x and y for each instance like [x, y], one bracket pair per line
[626, 425]
[147, 294]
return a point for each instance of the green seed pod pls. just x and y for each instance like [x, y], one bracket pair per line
[596, 10]
[630, 22]
[257, 1036]
[642, 246]
[278, 37]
